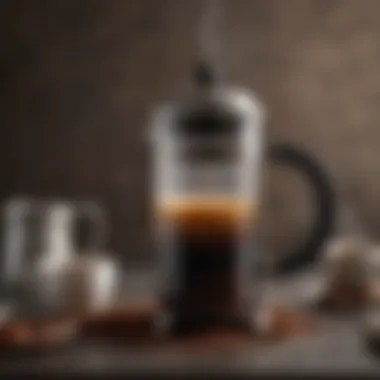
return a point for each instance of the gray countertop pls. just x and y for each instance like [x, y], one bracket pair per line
[335, 346]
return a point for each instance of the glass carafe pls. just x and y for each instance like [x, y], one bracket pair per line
[208, 155]
[40, 238]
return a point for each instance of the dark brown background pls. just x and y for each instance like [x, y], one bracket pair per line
[78, 78]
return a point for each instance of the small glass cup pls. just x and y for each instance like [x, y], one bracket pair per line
[40, 237]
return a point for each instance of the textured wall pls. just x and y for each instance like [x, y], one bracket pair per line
[78, 78]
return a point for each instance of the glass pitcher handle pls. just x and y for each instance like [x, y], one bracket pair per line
[324, 201]
[94, 213]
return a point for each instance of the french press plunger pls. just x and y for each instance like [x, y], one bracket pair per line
[208, 156]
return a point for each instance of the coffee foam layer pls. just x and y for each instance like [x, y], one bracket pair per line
[207, 214]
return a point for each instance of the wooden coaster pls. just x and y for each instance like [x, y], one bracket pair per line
[288, 324]
[132, 324]
[128, 323]
[36, 336]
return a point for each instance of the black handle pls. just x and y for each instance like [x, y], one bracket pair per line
[324, 205]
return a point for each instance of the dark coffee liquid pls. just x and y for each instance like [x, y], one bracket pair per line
[204, 248]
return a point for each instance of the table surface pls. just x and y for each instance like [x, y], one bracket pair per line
[335, 346]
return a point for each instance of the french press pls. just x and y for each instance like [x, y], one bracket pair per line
[208, 156]
[208, 160]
